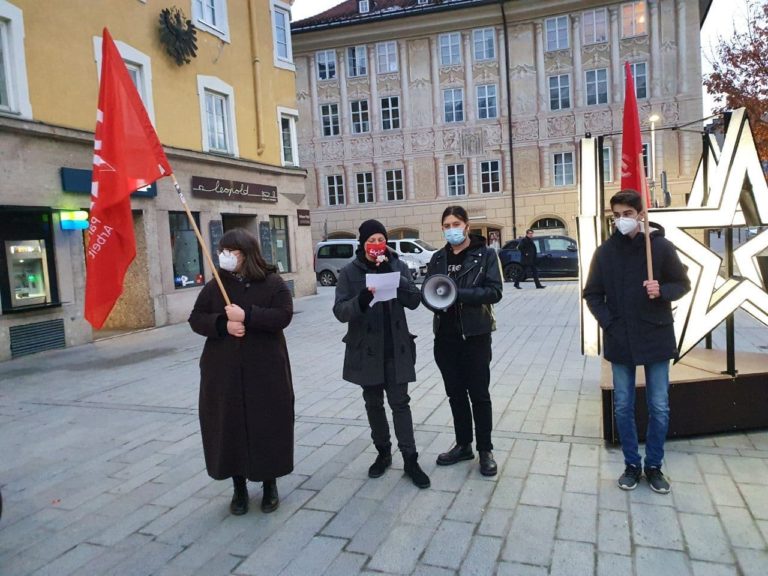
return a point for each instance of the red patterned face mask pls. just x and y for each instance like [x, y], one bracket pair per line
[376, 249]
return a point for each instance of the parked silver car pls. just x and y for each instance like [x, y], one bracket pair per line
[332, 255]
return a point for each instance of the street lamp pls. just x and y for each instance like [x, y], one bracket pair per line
[653, 118]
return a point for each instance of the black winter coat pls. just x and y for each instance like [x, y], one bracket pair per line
[365, 338]
[636, 329]
[528, 252]
[479, 287]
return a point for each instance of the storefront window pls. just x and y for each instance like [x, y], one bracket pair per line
[281, 254]
[187, 255]
[27, 272]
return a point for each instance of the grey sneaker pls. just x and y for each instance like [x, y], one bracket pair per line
[630, 478]
[656, 480]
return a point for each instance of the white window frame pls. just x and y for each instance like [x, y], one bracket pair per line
[487, 169]
[559, 89]
[607, 163]
[136, 59]
[589, 20]
[368, 187]
[276, 8]
[556, 21]
[633, 69]
[485, 98]
[220, 28]
[338, 190]
[394, 178]
[456, 180]
[292, 115]
[635, 23]
[15, 62]
[449, 41]
[361, 62]
[326, 56]
[565, 164]
[214, 84]
[392, 111]
[363, 6]
[365, 124]
[334, 120]
[596, 82]
[480, 37]
[454, 112]
[386, 59]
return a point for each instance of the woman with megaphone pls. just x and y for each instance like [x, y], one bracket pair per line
[470, 269]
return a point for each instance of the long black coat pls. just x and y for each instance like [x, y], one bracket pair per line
[528, 252]
[364, 354]
[246, 392]
[636, 329]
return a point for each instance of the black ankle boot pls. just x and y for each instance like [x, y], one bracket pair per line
[271, 500]
[239, 504]
[413, 470]
[383, 461]
[487, 463]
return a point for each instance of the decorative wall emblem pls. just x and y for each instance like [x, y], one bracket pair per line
[358, 90]
[450, 139]
[598, 121]
[333, 150]
[560, 61]
[559, 126]
[671, 112]
[485, 73]
[328, 91]
[422, 140]
[302, 95]
[361, 147]
[451, 74]
[472, 143]
[596, 56]
[492, 135]
[391, 145]
[525, 131]
[522, 71]
[389, 83]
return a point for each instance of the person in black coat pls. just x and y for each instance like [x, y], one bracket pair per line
[380, 353]
[635, 315]
[528, 254]
[463, 336]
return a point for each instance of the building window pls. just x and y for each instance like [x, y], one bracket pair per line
[563, 162]
[139, 67]
[490, 176]
[607, 164]
[360, 123]
[390, 113]
[450, 49]
[185, 250]
[357, 61]
[595, 24]
[557, 33]
[645, 159]
[281, 35]
[288, 143]
[640, 76]
[560, 92]
[363, 6]
[484, 42]
[633, 19]
[281, 253]
[486, 102]
[217, 110]
[335, 186]
[456, 181]
[326, 65]
[597, 86]
[211, 16]
[365, 188]
[329, 114]
[453, 105]
[394, 180]
[386, 57]
[14, 89]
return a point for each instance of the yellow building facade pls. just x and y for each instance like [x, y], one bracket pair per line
[227, 119]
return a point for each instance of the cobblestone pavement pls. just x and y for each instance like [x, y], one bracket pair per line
[102, 472]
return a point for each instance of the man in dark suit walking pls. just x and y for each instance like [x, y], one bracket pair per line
[527, 249]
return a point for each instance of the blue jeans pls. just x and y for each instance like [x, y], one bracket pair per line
[657, 396]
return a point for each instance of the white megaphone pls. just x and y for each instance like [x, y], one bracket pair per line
[439, 291]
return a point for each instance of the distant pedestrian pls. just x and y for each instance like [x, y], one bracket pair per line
[463, 336]
[528, 255]
[246, 392]
[636, 317]
[380, 352]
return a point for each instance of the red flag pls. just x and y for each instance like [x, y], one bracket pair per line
[632, 170]
[127, 156]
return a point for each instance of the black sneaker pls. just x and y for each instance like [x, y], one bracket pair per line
[656, 480]
[630, 478]
[455, 454]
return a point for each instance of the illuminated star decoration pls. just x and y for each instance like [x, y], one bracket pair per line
[737, 186]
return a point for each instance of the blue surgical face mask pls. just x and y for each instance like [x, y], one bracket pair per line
[454, 236]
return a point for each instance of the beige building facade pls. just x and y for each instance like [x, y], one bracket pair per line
[405, 108]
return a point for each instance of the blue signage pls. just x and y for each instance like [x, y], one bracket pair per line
[78, 181]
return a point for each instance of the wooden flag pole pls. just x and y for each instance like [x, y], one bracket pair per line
[644, 194]
[200, 240]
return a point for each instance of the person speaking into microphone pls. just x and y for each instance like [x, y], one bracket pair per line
[463, 335]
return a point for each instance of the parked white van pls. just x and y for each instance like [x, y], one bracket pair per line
[332, 255]
[415, 250]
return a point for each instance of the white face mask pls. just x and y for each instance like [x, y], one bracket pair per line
[227, 261]
[626, 225]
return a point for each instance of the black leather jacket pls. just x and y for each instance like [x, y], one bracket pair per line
[479, 287]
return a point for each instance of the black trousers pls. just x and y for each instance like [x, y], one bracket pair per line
[466, 369]
[399, 402]
[530, 270]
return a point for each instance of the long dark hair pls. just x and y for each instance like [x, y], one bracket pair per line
[457, 211]
[254, 265]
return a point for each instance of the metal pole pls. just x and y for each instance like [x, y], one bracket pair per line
[509, 122]
[705, 173]
[653, 163]
[730, 352]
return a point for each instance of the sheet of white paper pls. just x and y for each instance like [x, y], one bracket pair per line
[385, 284]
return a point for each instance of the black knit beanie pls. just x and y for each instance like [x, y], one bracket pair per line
[369, 228]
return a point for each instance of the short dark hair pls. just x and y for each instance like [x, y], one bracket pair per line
[529, 230]
[628, 198]
[254, 265]
[457, 211]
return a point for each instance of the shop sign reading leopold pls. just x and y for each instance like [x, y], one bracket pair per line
[218, 189]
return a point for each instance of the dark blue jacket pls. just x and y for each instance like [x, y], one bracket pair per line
[636, 329]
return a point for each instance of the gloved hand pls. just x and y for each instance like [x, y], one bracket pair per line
[364, 299]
